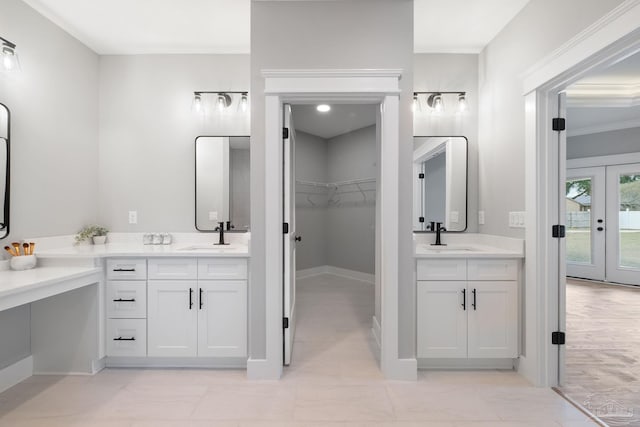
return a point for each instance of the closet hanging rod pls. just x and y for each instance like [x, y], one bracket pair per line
[335, 184]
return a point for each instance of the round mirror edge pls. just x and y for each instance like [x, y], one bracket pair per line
[466, 201]
[195, 189]
[7, 192]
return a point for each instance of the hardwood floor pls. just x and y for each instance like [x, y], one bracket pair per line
[603, 350]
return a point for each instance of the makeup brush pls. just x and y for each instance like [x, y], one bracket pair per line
[16, 247]
[10, 250]
[25, 249]
[32, 248]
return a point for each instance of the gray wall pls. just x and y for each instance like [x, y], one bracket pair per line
[326, 37]
[351, 222]
[452, 72]
[147, 133]
[54, 143]
[311, 221]
[529, 37]
[621, 141]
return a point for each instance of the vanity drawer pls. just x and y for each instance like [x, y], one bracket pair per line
[127, 299]
[492, 269]
[173, 268]
[126, 269]
[442, 269]
[222, 268]
[127, 337]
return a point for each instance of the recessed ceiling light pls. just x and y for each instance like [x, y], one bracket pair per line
[323, 108]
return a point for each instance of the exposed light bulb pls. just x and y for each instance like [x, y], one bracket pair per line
[415, 105]
[9, 59]
[438, 105]
[462, 103]
[197, 103]
[221, 103]
[323, 108]
[244, 102]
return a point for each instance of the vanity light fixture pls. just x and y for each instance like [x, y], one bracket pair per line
[222, 100]
[244, 101]
[10, 61]
[323, 108]
[435, 101]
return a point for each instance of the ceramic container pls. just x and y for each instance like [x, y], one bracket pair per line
[24, 262]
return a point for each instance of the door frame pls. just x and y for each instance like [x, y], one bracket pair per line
[610, 39]
[380, 86]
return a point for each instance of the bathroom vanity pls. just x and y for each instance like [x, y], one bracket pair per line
[468, 299]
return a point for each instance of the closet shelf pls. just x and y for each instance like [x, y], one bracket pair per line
[336, 184]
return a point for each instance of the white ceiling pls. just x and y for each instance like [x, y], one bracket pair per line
[460, 26]
[223, 26]
[341, 119]
[607, 99]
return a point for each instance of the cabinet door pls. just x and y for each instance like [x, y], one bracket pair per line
[442, 319]
[222, 318]
[172, 318]
[493, 323]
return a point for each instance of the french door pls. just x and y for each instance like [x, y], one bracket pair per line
[585, 223]
[603, 223]
[623, 220]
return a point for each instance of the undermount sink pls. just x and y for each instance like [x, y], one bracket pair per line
[210, 247]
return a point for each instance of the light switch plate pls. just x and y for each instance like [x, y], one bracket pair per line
[213, 215]
[516, 219]
[455, 216]
[133, 217]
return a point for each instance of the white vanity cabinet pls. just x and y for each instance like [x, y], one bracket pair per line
[126, 300]
[467, 308]
[197, 307]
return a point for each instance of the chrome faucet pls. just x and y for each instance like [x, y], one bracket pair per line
[220, 230]
[439, 229]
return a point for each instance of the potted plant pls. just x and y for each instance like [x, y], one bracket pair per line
[95, 233]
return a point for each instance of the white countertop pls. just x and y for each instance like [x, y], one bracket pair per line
[468, 245]
[22, 287]
[128, 249]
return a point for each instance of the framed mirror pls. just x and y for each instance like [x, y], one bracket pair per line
[4, 170]
[222, 182]
[440, 182]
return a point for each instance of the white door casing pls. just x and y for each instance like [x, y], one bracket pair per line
[362, 86]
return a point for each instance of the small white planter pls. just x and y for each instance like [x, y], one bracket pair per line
[99, 240]
[24, 262]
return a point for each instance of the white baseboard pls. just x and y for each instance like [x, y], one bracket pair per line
[177, 362]
[336, 271]
[375, 329]
[16, 373]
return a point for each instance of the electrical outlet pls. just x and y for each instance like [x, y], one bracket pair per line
[455, 216]
[213, 215]
[133, 217]
[481, 217]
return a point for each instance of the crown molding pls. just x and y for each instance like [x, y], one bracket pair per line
[605, 127]
[599, 95]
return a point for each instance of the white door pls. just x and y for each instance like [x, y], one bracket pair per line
[290, 238]
[222, 318]
[172, 318]
[442, 319]
[585, 223]
[493, 319]
[623, 224]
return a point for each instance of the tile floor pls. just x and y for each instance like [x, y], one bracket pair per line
[333, 381]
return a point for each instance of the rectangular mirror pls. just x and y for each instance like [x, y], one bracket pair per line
[440, 182]
[4, 171]
[222, 182]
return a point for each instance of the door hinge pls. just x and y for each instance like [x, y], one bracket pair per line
[421, 219]
[558, 124]
[558, 231]
[285, 228]
[285, 133]
[558, 338]
[420, 175]
[285, 323]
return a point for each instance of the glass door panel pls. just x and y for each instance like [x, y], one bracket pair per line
[585, 240]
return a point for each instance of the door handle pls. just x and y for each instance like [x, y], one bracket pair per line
[190, 298]
[474, 299]
[298, 239]
[124, 300]
[200, 298]
[464, 299]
